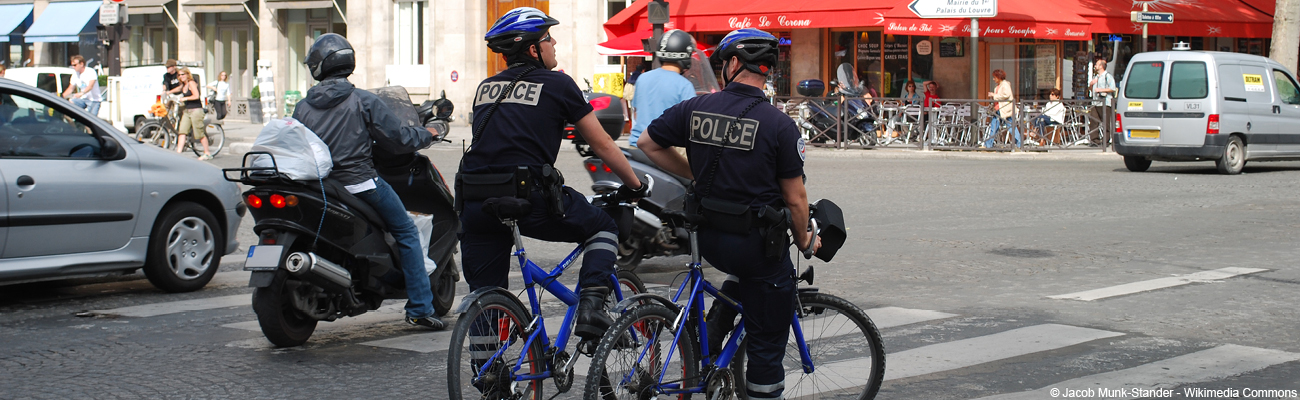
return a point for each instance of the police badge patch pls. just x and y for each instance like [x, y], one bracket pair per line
[803, 155]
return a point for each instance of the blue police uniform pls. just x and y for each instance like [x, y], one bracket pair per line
[527, 129]
[762, 149]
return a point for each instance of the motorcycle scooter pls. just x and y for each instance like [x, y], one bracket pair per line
[323, 254]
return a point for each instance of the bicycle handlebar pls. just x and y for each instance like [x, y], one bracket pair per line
[812, 239]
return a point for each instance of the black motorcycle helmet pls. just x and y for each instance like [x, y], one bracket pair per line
[756, 49]
[676, 46]
[331, 56]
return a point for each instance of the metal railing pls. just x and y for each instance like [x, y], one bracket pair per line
[954, 124]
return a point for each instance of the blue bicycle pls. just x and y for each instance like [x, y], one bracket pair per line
[655, 348]
[500, 350]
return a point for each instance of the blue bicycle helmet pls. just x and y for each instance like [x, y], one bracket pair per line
[518, 29]
[755, 48]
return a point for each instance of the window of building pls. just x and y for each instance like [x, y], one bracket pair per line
[408, 33]
[881, 63]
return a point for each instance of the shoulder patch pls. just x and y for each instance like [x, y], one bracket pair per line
[711, 129]
[803, 155]
[526, 93]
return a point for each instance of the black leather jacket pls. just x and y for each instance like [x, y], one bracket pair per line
[348, 121]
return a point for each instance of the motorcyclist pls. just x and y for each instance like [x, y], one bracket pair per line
[349, 121]
[744, 154]
[664, 86]
[520, 116]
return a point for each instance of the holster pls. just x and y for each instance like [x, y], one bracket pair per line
[482, 186]
[774, 227]
[552, 184]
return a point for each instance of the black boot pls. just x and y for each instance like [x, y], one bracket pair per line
[593, 320]
[721, 320]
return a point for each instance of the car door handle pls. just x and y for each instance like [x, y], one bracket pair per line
[1277, 109]
[26, 181]
[1247, 126]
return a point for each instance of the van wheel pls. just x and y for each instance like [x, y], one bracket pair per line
[1234, 157]
[1137, 163]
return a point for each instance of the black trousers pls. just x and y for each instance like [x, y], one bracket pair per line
[220, 106]
[766, 291]
[485, 242]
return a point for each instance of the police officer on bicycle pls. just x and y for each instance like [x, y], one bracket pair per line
[519, 119]
[350, 122]
[747, 161]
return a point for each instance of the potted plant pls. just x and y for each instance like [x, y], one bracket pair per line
[255, 106]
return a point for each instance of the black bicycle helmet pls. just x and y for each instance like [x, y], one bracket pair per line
[676, 46]
[755, 48]
[518, 29]
[331, 55]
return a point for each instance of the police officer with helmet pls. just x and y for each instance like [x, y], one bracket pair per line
[663, 87]
[519, 119]
[746, 158]
[350, 122]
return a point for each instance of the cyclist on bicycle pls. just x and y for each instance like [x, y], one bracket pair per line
[520, 114]
[350, 121]
[747, 161]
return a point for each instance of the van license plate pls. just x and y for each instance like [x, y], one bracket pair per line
[1144, 134]
[263, 258]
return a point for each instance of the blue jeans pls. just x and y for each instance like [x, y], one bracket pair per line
[385, 201]
[90, 106]
[1042, 122]
[996, 125]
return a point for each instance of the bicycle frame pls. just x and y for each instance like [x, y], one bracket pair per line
[532, 275]
[698, 287]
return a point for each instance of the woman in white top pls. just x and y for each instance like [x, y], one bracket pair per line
[222, 88]
[1006, 109]
[1053, 114]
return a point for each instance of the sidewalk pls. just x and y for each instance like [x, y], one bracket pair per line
[240, 137]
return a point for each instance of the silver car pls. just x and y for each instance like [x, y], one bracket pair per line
[81, 198]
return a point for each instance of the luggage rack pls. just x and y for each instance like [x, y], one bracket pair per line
[257, 175]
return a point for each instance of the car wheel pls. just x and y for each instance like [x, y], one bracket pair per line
[1137, 163]
[185, 248]
[1234, 157]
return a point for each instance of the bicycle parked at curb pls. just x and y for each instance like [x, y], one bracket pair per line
[165, 130]
[499, 348]
[660, 348]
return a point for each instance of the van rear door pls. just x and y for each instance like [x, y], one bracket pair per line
[1186, 104]
[1286, 107]
[1140, 106]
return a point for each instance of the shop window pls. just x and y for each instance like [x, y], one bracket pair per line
[881, 64]
[408, 33]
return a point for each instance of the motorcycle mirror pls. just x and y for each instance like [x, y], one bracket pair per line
[650, 184]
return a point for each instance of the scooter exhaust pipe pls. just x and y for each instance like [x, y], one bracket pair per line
[315, 269]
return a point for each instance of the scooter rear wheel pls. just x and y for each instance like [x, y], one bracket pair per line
[281, 323]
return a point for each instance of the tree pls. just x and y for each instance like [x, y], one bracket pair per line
[1286, 33]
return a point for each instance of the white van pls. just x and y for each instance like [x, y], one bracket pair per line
[50, 79]
[139, 88]
[1202, 105]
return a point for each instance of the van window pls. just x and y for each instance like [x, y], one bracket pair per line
[1144, 80]
[48, 82]
[1286, 88]
[1188, 80]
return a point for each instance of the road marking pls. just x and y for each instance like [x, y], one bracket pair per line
[978, 350]
[1201, 366]
[889, 317]
[1161, 283]
[172, 307]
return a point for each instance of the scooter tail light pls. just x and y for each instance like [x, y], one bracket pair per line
[591, 166]
[1212, 126]
[607, 170]
[277, 201]
[600, 103]
[254, 201]
[291, 201]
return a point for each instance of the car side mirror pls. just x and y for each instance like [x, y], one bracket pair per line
[110, 149]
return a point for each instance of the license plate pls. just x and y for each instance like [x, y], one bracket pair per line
[1144, 134]
[263, 258]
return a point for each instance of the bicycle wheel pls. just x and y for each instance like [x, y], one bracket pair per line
[845, 347]
[216, 139]
[151, 133]
[630, 358]
[493, 321]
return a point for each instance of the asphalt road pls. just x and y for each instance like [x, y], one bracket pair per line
[983, 241]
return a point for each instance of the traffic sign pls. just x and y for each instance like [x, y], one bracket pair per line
[108, 13]
[1145, 17]
[954, 8]
[658, 11]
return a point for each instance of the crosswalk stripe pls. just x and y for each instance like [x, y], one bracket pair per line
[1160, 283]
[889, 317]
[978, 350]
[1201, 366]
[172, 307]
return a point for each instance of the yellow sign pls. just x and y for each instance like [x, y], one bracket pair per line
[1135, 106]
[1144, 134]
[1254, 83]
[609, 83]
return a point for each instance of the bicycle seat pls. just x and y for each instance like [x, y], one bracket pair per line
[507, 208]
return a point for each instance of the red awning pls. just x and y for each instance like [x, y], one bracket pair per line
[1203, 18]
[1016, 18]
[630, 45]
[768, 15]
